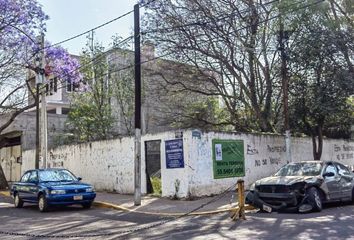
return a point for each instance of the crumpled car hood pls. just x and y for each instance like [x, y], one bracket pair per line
[287, 180]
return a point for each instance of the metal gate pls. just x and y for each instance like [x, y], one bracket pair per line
[153, 163]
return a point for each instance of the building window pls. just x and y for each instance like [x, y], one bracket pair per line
[52, 86]
[72, 87]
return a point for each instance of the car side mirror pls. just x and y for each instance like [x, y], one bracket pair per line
[79, 178]
[328, 174]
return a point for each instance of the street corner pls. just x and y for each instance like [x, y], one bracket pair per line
[107, 205]
[99, 204]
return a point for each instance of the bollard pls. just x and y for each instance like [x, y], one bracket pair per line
[240, 211]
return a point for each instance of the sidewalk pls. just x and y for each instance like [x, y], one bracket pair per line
[169, 207]
[165, 206]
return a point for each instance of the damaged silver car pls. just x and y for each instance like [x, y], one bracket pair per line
[303, 187]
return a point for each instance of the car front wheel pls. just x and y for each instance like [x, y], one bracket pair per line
[42, 203]
[18, 201]
[315, 199]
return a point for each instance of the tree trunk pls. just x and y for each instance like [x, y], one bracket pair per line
[3, 183]
[317, 148]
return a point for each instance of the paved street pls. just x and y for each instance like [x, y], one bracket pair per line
[334, 222]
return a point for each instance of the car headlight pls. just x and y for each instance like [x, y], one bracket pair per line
[90, 189]
[57, 192]
[253, 187]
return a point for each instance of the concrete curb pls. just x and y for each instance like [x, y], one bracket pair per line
[5, 193]
[121, 208]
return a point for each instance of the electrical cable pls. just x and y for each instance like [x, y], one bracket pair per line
[97, 27]
[113, 21]
[239, 29]
[95, 59]
[88, 31]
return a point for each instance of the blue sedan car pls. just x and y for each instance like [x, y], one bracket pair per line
[49, 187]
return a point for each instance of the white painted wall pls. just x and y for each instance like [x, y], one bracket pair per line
[264, 154]
[169, 177]
[109, 165]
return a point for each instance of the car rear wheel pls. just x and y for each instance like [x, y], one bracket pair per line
[18, 201]
[87, 205]
[315, 199]
[42, 203]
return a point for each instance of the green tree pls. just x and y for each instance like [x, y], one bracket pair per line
[20, 23]
[322, 77]
[205, 114]
[90, 117]
[122, 89]
[230, 45]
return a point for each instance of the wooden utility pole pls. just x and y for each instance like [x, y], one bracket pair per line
[137, 145]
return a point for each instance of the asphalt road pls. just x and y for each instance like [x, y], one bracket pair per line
[334, 222]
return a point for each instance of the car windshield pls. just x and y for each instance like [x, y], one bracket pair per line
[300, 169]
[56, 175]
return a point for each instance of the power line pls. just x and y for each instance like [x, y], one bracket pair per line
[86, 32]
[93, 60]
[239, 29]
[93, 29]
[100, 56]
[130, 66]
[99, 26]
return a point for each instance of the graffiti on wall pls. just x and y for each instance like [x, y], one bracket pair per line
[251, 150]
[278, 149]
[343, 152]
[56, 160]
[267, 161]
[271, 160]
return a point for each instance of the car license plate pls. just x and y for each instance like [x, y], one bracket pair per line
[267, 208]
[78, 197]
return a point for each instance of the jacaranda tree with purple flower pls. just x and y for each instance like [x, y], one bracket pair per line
[21, 21]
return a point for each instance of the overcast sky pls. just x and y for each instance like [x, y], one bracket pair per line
[71, 17]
